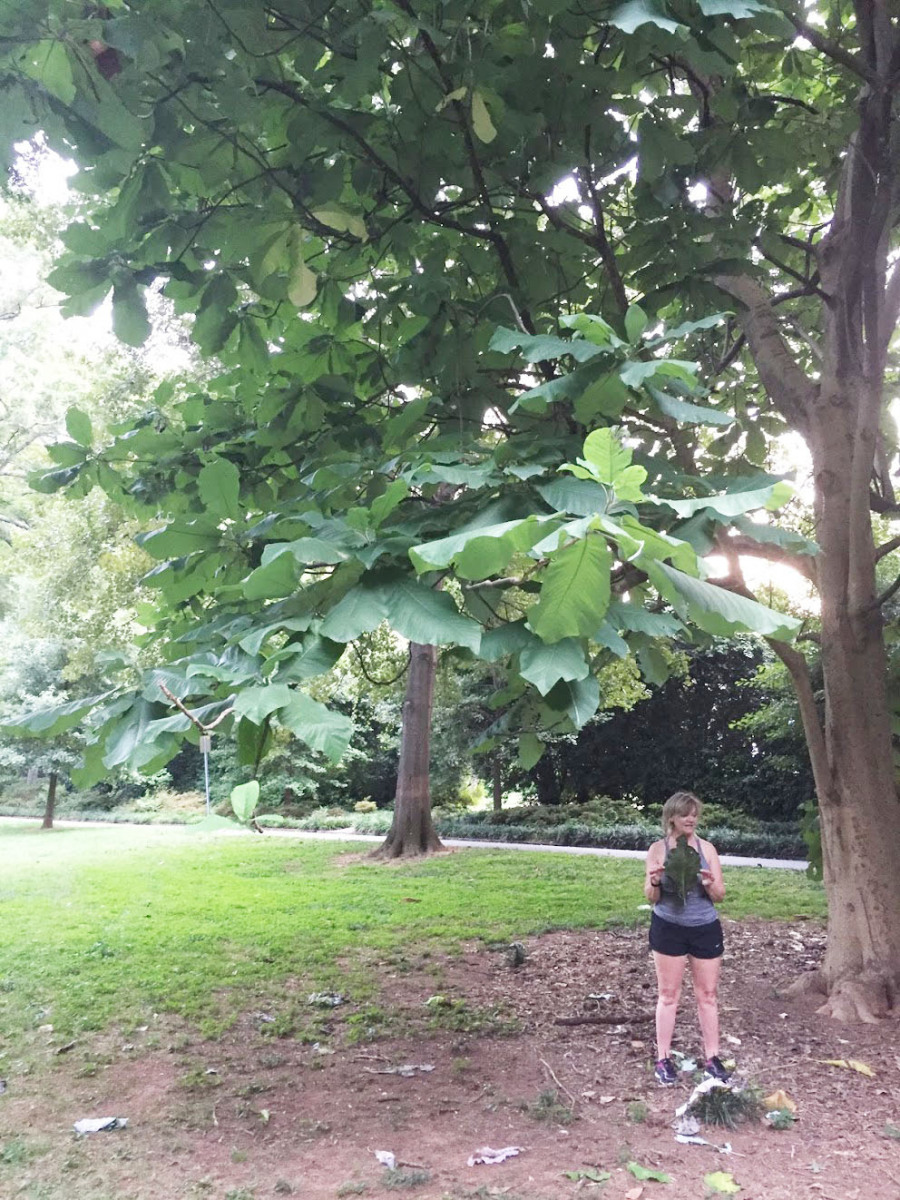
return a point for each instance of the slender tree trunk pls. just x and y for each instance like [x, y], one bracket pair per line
[50, 807]
[497, 783]
[412, 830]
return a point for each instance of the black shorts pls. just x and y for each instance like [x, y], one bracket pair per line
[699, 941]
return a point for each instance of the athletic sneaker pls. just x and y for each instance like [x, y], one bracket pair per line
[716, 1069]
[665, 1071]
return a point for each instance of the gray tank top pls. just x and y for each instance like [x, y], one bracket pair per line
[698, 909]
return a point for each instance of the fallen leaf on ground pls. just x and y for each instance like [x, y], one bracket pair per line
[721, 1181]
[634, 1194]
[849, 1064]
[640, 1172]
[591, 1174]
[779, 1099]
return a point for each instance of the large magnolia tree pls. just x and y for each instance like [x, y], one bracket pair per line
[434, 246]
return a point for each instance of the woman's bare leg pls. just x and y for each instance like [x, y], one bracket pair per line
[705, 974]
[669, 974]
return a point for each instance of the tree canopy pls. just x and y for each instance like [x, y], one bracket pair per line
[464, 267]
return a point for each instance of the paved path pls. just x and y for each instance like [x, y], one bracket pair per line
[348, 835]
[728, 860]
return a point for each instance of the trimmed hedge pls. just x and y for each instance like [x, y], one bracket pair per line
[764, 844]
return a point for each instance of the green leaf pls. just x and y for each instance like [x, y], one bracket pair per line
[316, 656]
[689, 414]
[257, 703]
[579, 497]
[219, 484]
[530, 750]
[424, 615]
[319, 727]
[635, 13]
[338, 218]
[276, 578]
[303, 284]
[716, 610]
[505, 640]
[575, 591]
[481, 119]
[683, 869]
[54, 719]
[636, 321]
[79, 428]
[636, 374]
[641, 620]
[545, 666]
[382, 506]
[603, 450]
[128, 741]
[540, 347]
[244, 799]
[640, 1172]
[481, 551]
[129, 315]
[48, 62]
[583, 699]
[721, 1181]
[360, 611]
[178, 539]
[733, 503]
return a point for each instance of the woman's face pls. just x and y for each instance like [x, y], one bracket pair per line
[686, 825]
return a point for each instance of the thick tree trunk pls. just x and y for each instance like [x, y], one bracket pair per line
[50, 807]
[855, 775]
[412, 830]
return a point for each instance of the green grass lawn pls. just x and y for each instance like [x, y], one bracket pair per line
[101, 927]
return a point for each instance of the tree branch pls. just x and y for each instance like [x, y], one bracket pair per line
[803, 564]
[791, 391]
[887, 548]
[832, 49]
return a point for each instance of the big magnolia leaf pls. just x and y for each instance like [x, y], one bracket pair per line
[319, 727]
[545, 666]
[716, 610]
[575, 591]
[244, 799]
[683, 867]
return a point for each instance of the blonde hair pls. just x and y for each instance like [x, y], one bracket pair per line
[680, 804]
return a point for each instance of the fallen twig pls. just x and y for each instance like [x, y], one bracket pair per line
[561, 1086]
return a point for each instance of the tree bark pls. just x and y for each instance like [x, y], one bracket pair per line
[858, 802]
[412, 830]
[50, 807]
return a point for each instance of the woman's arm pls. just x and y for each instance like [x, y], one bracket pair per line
[711, 878]
[655, 867]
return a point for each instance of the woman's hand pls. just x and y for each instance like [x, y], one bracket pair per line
[654, 876]
[707, 878]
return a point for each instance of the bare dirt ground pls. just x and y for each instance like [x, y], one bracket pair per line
[253, 1115]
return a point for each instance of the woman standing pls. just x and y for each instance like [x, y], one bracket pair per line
[682, 928]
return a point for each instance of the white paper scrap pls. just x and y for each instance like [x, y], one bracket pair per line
[487, 1155]
[99, 1124]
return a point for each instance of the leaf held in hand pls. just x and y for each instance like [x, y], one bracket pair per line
[682, 867]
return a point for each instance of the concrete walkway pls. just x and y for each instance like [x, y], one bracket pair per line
[728, 860]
